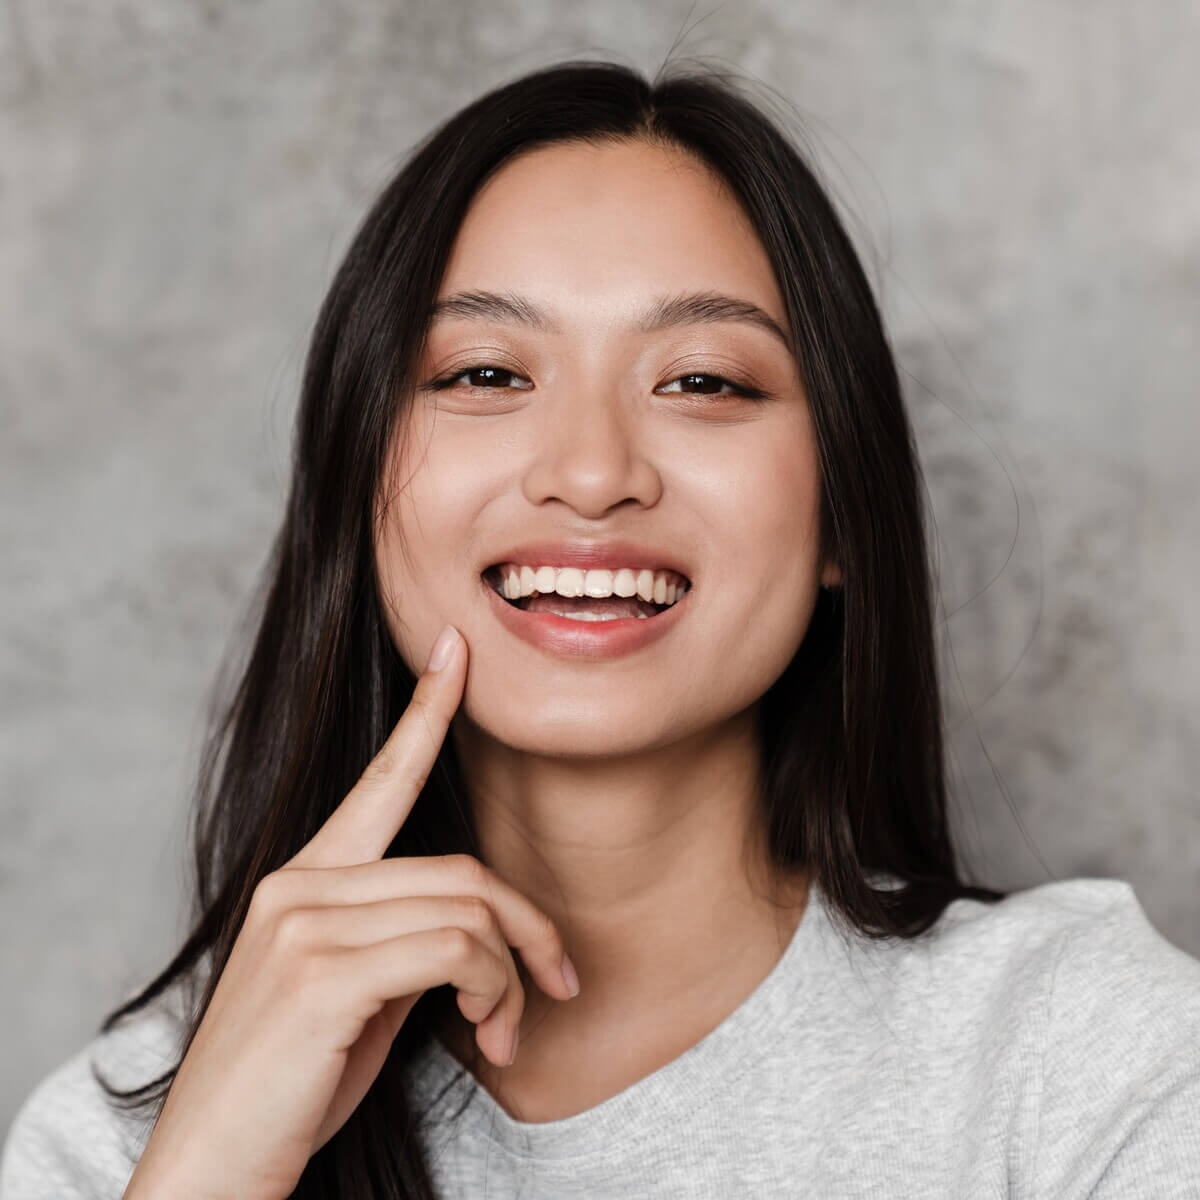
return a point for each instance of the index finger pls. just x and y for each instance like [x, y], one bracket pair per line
[363, 825]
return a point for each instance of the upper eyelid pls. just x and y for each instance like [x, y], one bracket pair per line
[453, 376]
[482, 366]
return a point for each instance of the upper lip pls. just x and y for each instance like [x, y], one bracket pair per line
[596, 555]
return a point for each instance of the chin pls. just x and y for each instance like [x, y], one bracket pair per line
[553, 727]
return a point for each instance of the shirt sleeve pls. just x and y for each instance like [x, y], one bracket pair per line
[1161, 1156]
[67, 1143]
[1120, 1108]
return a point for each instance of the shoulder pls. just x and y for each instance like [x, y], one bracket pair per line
[1113, 967]
[1088, 938]
[1046, 911]
[1097, 1015]
[1008, 953]
[1103, 963]
[1109, 983]
[1121, 1073]
[1119, 1079]
[68, 1140]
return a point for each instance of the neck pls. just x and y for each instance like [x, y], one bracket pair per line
[656, 872]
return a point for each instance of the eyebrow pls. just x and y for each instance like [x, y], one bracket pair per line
[686, 308]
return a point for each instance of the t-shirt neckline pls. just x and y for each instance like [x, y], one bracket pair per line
[675, 1089]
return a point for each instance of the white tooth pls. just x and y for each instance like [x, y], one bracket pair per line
[598, 583]
[659, 587]
[591, 616]
[569, 582]
[624, 582]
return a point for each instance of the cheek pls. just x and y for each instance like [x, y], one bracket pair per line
[424, 546]
[445, 484]
[791, 530]
[792, 499]
[764, 495]
[769, 514]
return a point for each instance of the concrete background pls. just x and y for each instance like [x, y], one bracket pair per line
[178, 181]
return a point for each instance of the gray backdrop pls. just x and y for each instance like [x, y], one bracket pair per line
[178, 182]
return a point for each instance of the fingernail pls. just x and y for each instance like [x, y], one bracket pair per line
[443, 648]
[570, 978]
[512, 1056]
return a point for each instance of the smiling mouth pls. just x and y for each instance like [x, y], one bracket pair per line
[542, 594]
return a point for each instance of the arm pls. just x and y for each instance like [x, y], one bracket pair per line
[1120, 1103]
[1161, 1155]
[65, 1143]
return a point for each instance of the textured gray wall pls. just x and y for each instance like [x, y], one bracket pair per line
[178, 181]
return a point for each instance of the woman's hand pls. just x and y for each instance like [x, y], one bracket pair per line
[337, 947]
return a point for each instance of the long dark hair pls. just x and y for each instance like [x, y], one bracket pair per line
[851, 733]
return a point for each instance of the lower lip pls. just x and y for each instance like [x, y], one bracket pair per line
[584, 639]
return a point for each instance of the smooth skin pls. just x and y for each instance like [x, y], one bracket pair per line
[621, 796]
[617, 801]
[337, 947]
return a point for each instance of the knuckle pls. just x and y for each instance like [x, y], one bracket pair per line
[456, 944]
[548, 932]
[388, 759]
[291, 931]
[268, 896]
[476, 915]
[308, 974]
[469, 870]
[391, 768]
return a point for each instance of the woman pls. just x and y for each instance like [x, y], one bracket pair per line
[601, 388]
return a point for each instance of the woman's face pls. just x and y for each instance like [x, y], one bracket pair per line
[592, 428]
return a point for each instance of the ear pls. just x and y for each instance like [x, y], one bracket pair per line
[831, 575]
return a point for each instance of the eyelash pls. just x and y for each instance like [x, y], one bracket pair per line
[447, 381]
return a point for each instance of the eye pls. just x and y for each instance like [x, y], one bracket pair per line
[495, 376]
[738, 390]
[484, 371]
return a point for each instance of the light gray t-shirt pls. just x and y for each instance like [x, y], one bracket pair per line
[1044, 1047]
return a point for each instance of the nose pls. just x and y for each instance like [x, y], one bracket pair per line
[591, 455]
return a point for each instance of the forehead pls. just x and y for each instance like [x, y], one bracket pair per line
[599, 228]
